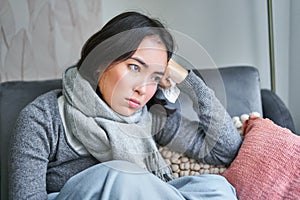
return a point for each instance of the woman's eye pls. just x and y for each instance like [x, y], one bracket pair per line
[134, 67]
[156, 78]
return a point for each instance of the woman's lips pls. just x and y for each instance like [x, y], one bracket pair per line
[134, 103]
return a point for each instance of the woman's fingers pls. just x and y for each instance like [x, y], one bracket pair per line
[176, 72]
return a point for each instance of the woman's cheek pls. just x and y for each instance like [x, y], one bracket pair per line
[151, 91]
[123, 81]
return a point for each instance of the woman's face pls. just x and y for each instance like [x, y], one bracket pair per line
[128, 85]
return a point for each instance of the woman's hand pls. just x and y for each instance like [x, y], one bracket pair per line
[175, 72]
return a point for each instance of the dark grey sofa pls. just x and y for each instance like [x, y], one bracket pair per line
[237, 87]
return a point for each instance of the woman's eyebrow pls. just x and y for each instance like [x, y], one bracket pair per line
[145, 65]
[140, 61]
[160, 73]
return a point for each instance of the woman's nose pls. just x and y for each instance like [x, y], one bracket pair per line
[141, 89]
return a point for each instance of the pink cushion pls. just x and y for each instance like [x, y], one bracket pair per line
[268, 163]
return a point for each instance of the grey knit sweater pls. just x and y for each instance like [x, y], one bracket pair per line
[42, 160]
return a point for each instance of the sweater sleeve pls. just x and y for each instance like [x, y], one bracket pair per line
[209, 135]
[29, 154]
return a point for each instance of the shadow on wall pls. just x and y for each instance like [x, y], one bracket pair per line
[39, 39]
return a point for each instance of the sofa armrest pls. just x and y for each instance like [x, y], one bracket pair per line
[276, 110]
[14, 96]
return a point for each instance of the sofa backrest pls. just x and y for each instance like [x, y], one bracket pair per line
[237, 87]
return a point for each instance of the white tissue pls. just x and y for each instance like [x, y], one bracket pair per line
[171, 93]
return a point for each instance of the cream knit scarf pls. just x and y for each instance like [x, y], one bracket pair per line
[106, 134]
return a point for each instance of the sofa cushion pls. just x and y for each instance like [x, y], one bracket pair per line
[268, 163]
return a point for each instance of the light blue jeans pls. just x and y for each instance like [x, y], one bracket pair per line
[123, 180]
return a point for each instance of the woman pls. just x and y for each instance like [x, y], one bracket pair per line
[97, 138]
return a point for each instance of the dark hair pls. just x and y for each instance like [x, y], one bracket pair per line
[117, 41]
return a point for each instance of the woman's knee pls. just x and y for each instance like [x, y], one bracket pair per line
[206, 186]
[103, 180]
[217, 182]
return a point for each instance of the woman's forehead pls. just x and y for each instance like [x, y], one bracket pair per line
[151, 52]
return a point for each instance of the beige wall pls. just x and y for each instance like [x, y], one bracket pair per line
[39, 39]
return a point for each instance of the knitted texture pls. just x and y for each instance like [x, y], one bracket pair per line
[182, 165]
[104, 133]
[268, 163]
